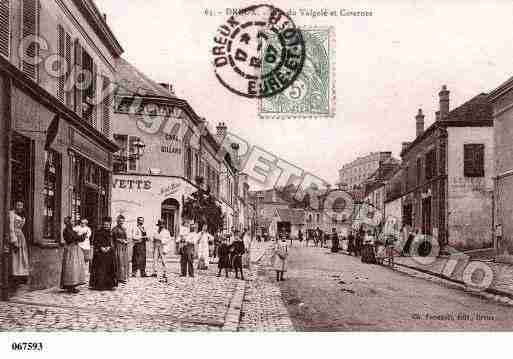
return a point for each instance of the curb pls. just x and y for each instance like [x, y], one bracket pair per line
[232, 318]
[490, 293]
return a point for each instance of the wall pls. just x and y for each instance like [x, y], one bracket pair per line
[469, 199]
[503, 136]
[3, 185]
[394, 209]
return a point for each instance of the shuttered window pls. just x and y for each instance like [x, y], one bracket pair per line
[106, 105]
[30, 27]
[61, 39]
[473, 158]
[430, 164]
[5, 27]
[78, 66]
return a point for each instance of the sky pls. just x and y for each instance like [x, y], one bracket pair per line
[387, 66]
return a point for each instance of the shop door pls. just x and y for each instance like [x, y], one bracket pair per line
[21, 178]
[169, 209]
[91, 206]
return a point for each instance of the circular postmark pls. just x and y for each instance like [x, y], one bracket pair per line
[258, 52]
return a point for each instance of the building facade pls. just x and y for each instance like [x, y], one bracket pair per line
[355, 173]
[502, 101]
[447, 175]
[167, 153]
[56, 145]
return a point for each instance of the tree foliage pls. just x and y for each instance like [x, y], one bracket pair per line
[201, 207]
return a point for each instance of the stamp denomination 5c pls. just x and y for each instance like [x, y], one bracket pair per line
[312, 94]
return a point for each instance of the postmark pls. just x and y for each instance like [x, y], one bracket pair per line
[312, 94]
[259, 52]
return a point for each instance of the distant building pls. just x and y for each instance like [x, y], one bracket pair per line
[355, 173]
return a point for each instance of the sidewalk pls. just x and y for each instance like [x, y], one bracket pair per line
[204, 303]
[452, 269]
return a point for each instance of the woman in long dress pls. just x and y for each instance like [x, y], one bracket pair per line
[103, 267]
[203, 252]
[73, 264]
[120, 242]
[281, 252]
[368, 255]
[19, 250]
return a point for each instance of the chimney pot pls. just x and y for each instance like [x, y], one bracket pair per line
[404, 145]
[444, 102]
[419, 123]
[437, 115]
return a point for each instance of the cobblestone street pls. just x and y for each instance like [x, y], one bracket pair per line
[200, 303]
[325, 291]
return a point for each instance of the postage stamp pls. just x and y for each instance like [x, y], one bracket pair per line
[312, 94]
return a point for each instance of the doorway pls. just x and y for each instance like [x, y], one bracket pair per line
[91, 206]
[169, 212]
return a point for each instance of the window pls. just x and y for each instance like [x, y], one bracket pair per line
[473, 160]
[5, 28]
[30, 28]
[188, 163]
[430, 164]
[85, 98]
[419, 170]
[64, 46]
[126, 159]
[50, 195]
[106, 104]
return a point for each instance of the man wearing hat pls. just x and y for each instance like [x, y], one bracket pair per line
[161, 241]
[139, 238]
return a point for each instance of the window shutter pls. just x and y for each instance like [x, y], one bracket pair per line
[30, 27]
[61, 36]
[68, 56]
[78, 67]
[94, 117]
[106, 104]
[5, 28]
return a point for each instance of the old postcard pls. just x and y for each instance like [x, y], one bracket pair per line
[244, 167]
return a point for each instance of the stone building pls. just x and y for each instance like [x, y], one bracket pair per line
[353, 175]
[56, 146]
[447, 174]
[502, 101]
[167, 153]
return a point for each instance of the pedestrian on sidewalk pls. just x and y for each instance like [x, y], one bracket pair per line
[308, 237]
[237, 250]
[103, 266]
[73, 272]
[279, 258]
[139, 238]
[186, 251]
[203, 252]
[18, 244]
[120, 240]
[246, 257]
[224, 257]
[300, 237]
[84, 230]
[368, 254]
[161, 243]
[335, 242]
[351, 245]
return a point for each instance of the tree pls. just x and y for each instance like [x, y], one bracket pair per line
[202, 208]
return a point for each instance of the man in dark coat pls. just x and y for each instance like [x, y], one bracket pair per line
[186, 250]
[223, 251]
[103, 267]
[351, 245]
[237, 250]
[334, 240]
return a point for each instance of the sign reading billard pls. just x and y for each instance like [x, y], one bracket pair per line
[132, 184]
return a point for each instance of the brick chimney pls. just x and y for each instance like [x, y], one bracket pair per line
[444, 102]
[404, 145]
[221, 131]
[168, 87]
[419, 122]
[437, 115]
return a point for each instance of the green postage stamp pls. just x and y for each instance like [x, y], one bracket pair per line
[312, 94]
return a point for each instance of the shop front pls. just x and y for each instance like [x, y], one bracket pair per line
[152, 197]
[57, 165]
